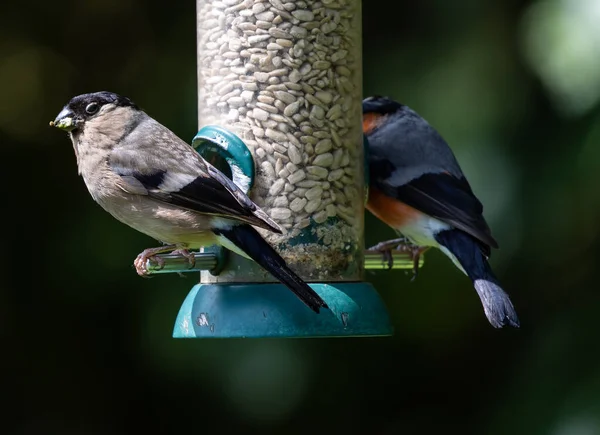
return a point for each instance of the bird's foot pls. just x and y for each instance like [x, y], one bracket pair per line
[188, 256]
[415, 252]
[150, 254]
[386, 247]
[401, 244]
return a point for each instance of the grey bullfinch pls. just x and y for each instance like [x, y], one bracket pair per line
[417, 188]
[148, 178]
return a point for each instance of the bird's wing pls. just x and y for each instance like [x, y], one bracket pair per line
[442, 196]
[186, 180]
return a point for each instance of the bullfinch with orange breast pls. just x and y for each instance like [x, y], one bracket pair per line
[418, 189]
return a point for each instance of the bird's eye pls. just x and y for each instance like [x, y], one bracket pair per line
[92, 108]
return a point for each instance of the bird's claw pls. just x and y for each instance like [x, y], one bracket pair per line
[388, 258]
[158, 263]
[403, 245]
[150, 255]
[386, 247]
[191, 258]
[415, 252]
[143, 258]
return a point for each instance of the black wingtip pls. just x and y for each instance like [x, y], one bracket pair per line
[316, 307]
[265, 220]
[276, 229]
[251, 242]
[279, 269]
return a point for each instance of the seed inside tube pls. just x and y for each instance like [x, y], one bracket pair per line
[285, 77]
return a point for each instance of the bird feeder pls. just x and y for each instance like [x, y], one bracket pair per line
[280, 112]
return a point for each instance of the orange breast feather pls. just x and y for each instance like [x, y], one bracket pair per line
[371, 121]
[391, 211]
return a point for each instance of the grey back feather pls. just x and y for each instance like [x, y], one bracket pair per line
[152, 160]
[418, 143]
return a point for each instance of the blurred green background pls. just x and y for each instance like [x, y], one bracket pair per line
[86, 344]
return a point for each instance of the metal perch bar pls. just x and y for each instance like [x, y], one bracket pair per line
[207, 261]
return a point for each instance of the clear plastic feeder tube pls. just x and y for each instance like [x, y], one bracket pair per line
[286, 77]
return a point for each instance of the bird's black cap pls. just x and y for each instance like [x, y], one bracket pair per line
[79, 103]
[380, 105]
[84, 106]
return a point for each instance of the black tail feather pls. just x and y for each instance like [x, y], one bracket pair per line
[251, 242]
[496, 304]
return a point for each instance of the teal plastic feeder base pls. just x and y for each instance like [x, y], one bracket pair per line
[261, 310]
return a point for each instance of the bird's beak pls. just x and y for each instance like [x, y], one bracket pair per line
[65, 120]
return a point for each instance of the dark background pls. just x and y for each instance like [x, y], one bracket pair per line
[86, 344]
